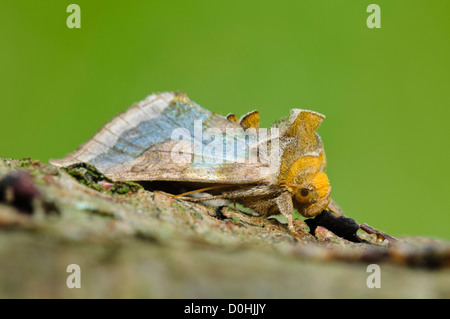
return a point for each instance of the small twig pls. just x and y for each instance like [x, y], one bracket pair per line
[380, 235]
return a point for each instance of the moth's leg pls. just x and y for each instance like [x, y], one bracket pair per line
[286, 207]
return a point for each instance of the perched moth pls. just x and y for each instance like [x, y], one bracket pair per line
[169, 138]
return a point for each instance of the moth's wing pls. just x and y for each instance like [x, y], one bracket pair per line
[138, 145]
[122, 138]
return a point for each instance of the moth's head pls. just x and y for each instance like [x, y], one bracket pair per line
[310, 200]
[302, 169]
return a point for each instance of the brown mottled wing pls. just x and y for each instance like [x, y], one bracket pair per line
[138, 145]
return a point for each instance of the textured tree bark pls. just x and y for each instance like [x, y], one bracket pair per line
[129, 242]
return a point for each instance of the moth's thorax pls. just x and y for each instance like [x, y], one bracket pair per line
[301, 170]
[321, 184]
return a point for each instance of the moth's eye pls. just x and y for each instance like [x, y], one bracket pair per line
[304, 196]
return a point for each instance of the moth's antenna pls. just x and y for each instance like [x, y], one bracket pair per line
[295, 185]
[201, 190]
[291, 185]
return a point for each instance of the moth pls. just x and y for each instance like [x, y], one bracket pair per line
[169, 138]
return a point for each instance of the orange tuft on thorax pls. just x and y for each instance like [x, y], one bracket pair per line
[302, 170]
[321, 184]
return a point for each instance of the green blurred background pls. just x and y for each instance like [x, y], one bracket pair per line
[385, 91]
